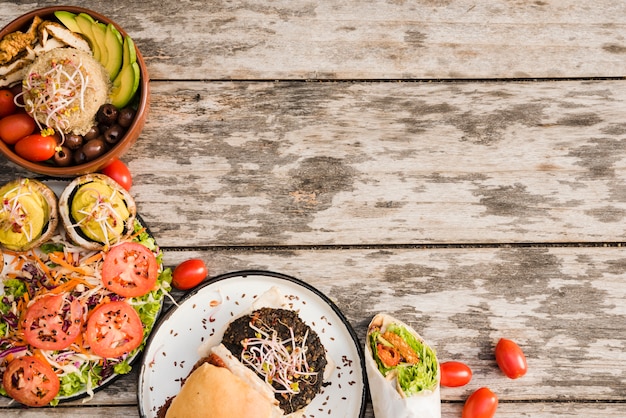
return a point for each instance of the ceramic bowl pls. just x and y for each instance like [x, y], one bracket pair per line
[133, 131]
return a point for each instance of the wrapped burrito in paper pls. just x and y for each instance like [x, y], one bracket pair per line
[402, 370]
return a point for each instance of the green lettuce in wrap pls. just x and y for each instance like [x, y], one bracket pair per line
[398, 351]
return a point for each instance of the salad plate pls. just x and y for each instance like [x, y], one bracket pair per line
[25, 277]
[200, 318]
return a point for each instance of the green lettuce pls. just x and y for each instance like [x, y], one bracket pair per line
[412, 378]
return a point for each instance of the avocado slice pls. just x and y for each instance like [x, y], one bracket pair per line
[97, 200]
[28, 215]
[85, 24]
[126, 83]
[115, 50]
[68, 19]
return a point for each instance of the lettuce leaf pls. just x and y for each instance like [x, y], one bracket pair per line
[412, 378]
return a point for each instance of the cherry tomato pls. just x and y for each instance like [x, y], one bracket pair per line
[52, 322]
[119, 172]
[7, 105]
[130, 269]
[480, 404]
[15, 127]
[189, 274]
[455, 374]
[511, 359]
[30, 381]
[114, 329]
[36, 147]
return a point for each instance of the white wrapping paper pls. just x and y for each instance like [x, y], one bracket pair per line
[388, 401]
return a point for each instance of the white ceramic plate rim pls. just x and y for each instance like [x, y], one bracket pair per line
[200, 318]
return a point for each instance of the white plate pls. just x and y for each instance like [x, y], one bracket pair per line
[202, 316]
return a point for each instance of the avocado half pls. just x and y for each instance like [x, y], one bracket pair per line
[28, 214]
[96, 212]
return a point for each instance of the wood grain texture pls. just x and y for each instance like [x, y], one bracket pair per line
[297, 137]
[376, 39]
[291, 163]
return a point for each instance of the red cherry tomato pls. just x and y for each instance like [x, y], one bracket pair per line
[52, 322]
[114, 329]
[118, 171]
[36, 147]
[455, 374]
[480, 404]
[7, 105]
[189, 274]
[15, 127]
[511, 359]
[130, 269]
[30, 381]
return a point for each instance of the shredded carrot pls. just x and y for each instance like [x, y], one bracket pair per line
[79, 346]
[39, 355]
[137, 233]
[70, 285]
[57, 258]
[96, 257]
[41, 264]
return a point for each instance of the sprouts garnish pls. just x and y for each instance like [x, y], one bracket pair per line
[280, 362]
[56, 94]
[17, 217]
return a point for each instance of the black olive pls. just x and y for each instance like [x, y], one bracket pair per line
[63, 157]
[94, 148]
[94, 132]
[107, 114]
[114, 134]
[79, 157]
[73, 141]
[126, 117]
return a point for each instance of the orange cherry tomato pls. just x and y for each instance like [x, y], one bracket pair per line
[480, 404]
[7, 105]
[189, 274]
[15, 127]
[511, 359]
[455, 374]
[36, 147]
[119, 172]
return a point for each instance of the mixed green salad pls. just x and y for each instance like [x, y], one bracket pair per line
[76, 317]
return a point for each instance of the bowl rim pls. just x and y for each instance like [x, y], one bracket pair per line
[136, 126]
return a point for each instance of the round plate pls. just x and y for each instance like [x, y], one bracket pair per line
[201, 317]
[57, 186]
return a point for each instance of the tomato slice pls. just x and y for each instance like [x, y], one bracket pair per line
[52, 322]
[30, 381]
[130, 269]
[388, 355]
[114, 329]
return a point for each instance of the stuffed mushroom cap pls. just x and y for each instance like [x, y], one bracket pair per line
[28, 215]
[96, 211]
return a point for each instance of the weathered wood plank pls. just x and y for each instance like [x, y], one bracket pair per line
[382, 163]
[562, 305]
[535, 410]
[370, 40]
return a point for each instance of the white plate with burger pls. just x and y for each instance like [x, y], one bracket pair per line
[253, 340]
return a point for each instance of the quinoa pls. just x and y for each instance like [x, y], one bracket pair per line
[64, 89]
[283, 324]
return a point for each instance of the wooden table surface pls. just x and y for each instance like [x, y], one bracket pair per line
[458, 164]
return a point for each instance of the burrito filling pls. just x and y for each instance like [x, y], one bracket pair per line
[398, 353]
